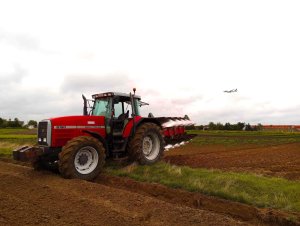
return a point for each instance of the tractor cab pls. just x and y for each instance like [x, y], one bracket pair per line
[119, 109]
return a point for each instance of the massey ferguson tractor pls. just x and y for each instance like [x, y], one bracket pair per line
[111, 127]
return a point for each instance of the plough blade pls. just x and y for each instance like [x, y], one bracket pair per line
[174, 131]
[26, 153]
[170, 144]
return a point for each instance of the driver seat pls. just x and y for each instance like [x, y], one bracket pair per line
[123, 116]
[120, 123]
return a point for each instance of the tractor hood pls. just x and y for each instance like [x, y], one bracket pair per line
[62, 129]
[83, 122]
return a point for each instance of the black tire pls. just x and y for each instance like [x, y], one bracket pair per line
[71, 153]
[147, 131]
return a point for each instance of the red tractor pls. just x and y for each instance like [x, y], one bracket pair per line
[111, 127]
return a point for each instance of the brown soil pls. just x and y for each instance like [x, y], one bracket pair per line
[239, 211]
[28, 197]
[278, 160]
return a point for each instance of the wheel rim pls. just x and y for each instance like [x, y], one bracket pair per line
[86, 160]
[151, 146]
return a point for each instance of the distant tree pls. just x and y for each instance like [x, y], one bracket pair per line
[259, 126]
[16, 123]
[32, 123]
[211, 126]
[219, 126]
[240, 126]
[9, 123]
[248, 127]
[200, 127]
[227, 126]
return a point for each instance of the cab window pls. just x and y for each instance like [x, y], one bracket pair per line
[118, 109]
[102, 107]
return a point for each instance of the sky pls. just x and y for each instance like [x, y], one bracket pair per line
[179, 55]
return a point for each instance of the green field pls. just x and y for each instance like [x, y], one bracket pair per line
[234, 138]
[13, 138]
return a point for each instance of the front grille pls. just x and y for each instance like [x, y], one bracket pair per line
[42, 133]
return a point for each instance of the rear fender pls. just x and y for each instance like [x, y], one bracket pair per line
[130, 128]
[152, 120]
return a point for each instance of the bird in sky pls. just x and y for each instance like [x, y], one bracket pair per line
[231, 91]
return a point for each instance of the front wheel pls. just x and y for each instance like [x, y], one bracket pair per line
[147, 145]
[82, 157]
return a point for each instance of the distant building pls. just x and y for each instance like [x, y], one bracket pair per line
[31, 127]
[281, 128]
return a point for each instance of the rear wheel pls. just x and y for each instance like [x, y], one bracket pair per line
[147, 145]
[82, 157]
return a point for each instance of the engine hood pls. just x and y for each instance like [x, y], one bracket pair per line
[66, 128]
[77, 121]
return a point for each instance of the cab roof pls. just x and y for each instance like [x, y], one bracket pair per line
[112, 94]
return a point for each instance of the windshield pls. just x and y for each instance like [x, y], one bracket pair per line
[102, 107]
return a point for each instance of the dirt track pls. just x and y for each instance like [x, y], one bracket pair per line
[38, 198]
[277, 160]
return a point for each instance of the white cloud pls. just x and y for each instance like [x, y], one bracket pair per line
[179, 55]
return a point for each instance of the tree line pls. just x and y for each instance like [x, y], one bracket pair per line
[16, 123]
[228, 126]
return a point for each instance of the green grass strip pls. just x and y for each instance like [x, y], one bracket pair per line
[17, 136]
[8, 145]
[241, 187]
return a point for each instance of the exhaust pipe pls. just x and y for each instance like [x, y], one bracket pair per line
[85, 111]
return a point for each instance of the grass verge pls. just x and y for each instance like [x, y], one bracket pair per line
[241, 187]
[7, 146]
[11, 139]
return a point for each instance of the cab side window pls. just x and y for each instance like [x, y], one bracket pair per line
[127, 107]
[118, 110]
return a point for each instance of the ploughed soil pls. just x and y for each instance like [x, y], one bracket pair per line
[28, 197]
[275, 160]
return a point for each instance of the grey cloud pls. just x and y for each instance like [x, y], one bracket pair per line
[186, 100]
[145, 92]
[17, 101]
[37, 103]
[96, 83]
[8, 79]
[21, 41]
[270, 115]
[163, 107]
